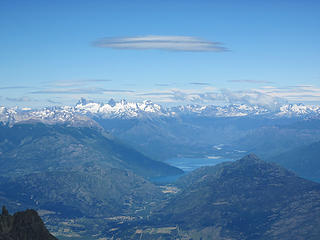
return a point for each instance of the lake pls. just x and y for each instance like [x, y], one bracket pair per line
[188, 165]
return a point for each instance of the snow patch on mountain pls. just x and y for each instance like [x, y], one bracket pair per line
[50, 115]
[291, 110]
[121, 109]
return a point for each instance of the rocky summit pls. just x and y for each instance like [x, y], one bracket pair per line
[26, 225]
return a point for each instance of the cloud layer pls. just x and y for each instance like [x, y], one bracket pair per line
[214, 96]
[169, 43]
[204, 93]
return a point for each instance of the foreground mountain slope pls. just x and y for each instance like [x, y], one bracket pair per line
[304, 161]
[26, 225]
[245, 199]
[76, 194]
[75, 171]
[30, 147]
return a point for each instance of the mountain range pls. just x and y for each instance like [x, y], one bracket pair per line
[131, 110]
[186, 131]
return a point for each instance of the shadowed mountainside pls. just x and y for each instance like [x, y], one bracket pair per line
[26, 148]
[74, 171]
[26, 225]
[73, 194]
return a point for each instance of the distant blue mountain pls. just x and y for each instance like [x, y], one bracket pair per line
[304, 161]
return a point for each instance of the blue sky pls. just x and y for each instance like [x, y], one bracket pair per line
[169, 51]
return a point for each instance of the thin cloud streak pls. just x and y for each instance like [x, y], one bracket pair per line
[76, 83]
[96, 80]
[162, 84]
[20, 99]
[200, 83]
[155, 94]
[250, 81]
[13, 87]
[81, 91]
[168, 43]
[53, 102]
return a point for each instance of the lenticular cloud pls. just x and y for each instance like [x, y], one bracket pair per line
[168, 43]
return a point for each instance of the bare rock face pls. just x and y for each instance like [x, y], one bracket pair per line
[26, 225]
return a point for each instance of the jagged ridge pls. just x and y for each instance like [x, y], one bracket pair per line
[26, 225]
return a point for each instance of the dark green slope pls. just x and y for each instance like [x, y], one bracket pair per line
[246, 199]
[68, 193]
[74, 171]
[26, 148]
[304, 161]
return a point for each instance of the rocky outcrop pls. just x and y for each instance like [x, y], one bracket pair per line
[26, 225]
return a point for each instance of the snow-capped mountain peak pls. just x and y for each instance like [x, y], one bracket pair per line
[299, 110]
[121, 109]
[48, 115]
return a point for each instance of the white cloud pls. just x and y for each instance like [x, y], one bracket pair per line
[216, 96]
[295, 94]
[169, 43]
[254, 98]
